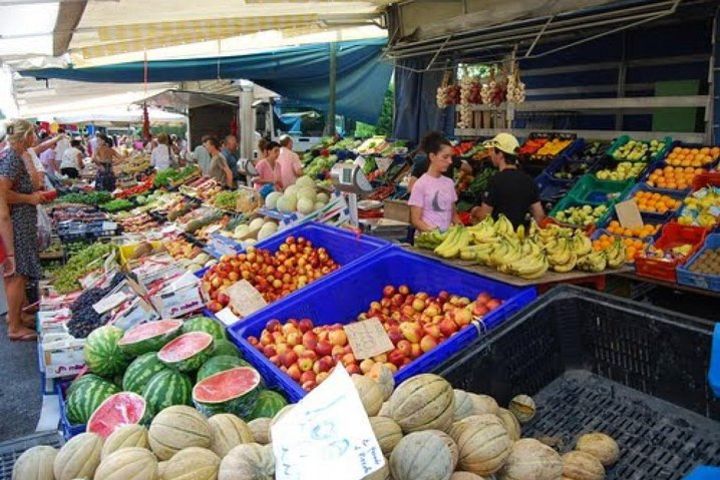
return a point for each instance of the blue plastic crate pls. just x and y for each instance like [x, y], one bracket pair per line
[704, 473]
[700, 280]
[552, 189]
[714, 370]
[68, 430]
[340, 298]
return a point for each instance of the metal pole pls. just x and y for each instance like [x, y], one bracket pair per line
[330, 123]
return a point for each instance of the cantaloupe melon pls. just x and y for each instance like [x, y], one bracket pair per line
[35, 463]
[176, 428]
[256, 223]
[463, 405]
[422, 456]
[267, 230]
[387, 432]
[579, 465]
[248, 461]
[370, 393]
[192, 463]
[600, 446]
[79, 457]
[228, 431]
[532, 460]
[423, 402]
[125, 437]
[484, 445]
[260, 428]
[132, 463]
[305, 206]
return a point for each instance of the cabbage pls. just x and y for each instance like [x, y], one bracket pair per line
[271, 200]
[305, 205]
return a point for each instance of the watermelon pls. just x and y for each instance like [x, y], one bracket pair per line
[267, 405]
[102, 353]
[86, 397]
[187, 352]
[82, 380]
[204, 324]
[219, 364]
[140, 371]
[124, 408]
[166, 389]
[225, 347]
[149, 337]
[232, 391]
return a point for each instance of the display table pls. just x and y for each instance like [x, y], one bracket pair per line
[543, 283]
[630, 275]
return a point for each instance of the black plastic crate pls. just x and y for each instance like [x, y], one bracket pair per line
[594, 362]
[11, 450]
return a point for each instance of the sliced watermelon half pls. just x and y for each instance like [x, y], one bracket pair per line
[124, 408]
[149, 337]
[231, 391]
[187, 352]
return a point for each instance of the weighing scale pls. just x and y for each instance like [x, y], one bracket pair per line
[351, 181]
[247, 167]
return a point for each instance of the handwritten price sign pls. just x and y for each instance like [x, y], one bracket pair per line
[327, 432]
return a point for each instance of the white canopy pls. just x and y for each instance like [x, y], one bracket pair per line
[118, 115]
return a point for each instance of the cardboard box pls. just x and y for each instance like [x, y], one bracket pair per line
[63, 358]
[397, 210]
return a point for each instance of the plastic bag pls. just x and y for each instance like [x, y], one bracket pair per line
[44, 228]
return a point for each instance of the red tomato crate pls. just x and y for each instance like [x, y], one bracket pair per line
[673, 235]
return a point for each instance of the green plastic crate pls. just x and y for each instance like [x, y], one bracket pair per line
[569, 201]
[590, 190]
[623, 139]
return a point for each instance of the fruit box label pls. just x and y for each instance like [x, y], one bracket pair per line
[368, 338]
[328, 431]
[244, 298]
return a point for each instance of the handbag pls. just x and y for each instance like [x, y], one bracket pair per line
[44, 228]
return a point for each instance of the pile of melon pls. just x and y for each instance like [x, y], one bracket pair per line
[302, 197]
[429, 431]
[180, 443]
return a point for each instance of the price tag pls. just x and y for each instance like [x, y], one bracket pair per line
[109, 226]
[328, 431]
[628, 214]
[368, 338]
[109, 302]
[244, 298]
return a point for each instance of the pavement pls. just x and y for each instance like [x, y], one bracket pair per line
[21, 396]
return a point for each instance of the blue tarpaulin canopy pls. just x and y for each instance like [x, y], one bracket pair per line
[298, 73]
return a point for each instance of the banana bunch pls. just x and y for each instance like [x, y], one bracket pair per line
[505, 253]
[484, 251]
[593, 262]
[532, 264]
[561, 256]
[581, 243]
[457, 239]
[484, 231]
[430, 240]
[503, 226]
[615, 254]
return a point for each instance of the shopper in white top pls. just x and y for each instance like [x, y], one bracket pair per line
[62, 144]
[161, 153]
[71, 162]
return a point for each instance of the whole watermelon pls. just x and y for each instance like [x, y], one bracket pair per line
[225, 347]
[204, 324]
[166, 389]
[80, 381]
[102, 353]
[220, 364]
[267, 405]
[84, 399]
[140, 371]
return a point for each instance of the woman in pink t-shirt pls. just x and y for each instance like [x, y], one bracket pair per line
[268, 168]
[433, 197]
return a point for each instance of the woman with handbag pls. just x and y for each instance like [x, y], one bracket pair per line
[18, 225]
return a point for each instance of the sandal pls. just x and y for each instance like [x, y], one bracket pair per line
[25, 337]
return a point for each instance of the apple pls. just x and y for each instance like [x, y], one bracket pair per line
[375, 307]
[415, 351]
[324, 364]
[418, 304]
[269, 351]
[294, 338]
[395, 334]
[396, 358]
[411, 331]
[215, 307]
[323, 336]
[463, 317]
[448, 326]
[337, 351]
[307, 376]
[385, 302]
[294, 372]
[278, 337]
[382, 358]
[404, 289]
[253, 341]
[299, 349]
[407, 311]
[289, 358]
[338, 337]
[432, 310]
[433, 331]
[305, 325]
[223, 299]
[321, 377]
[309, 354]
[480, 310]
[483, 298]
[282, 348]
[323, 348]
[309, 386]
[397, 300]
[349, 359]
[216, 282]
[353, 369]
[493, 304]
[310, 340]
[388, 291]
[405, 347]
[305, 364]
[233, 276]
[275, 360]
[266, 338]
[427, 343]
[422, 296]
[366, 365]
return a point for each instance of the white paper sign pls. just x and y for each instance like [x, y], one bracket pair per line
[328, 431]
[227, 316]
[109, 302]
